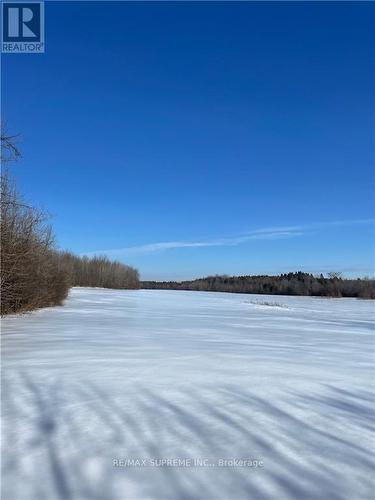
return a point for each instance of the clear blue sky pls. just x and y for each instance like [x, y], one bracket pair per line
[197, 138]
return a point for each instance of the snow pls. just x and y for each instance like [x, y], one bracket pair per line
[152, 374]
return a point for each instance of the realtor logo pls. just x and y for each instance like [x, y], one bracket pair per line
[23, 27]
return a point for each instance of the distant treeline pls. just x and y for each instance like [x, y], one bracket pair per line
[99, 271]
[298, 283]
[34, 273]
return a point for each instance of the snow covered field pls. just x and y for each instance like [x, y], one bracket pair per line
[126, 375]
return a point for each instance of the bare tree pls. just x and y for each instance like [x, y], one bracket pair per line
[30, 274]
[9, 149]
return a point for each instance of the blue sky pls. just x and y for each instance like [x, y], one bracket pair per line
[196, 138]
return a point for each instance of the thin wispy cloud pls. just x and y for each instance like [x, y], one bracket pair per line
[270, 233]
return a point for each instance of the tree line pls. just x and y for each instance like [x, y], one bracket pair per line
[34, 273]
[298, 283]
[99, 271]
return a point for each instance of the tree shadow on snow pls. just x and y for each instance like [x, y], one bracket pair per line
[308, 442]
